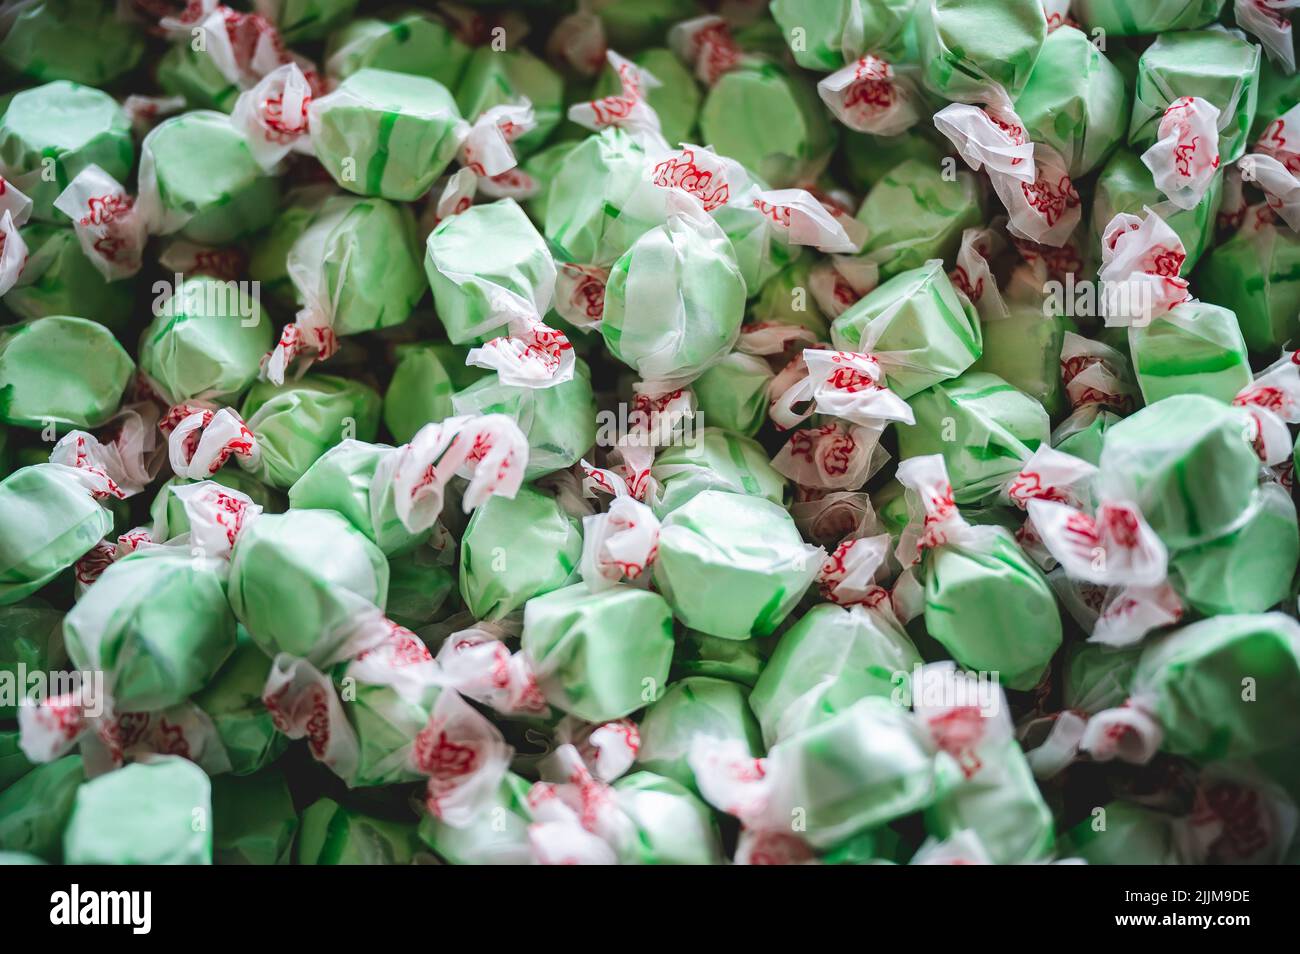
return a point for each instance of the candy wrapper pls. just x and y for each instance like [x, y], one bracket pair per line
[413, 41]
[1121, 19]
[254, 820]
[697, 705]
[718, 460]
[58, 278]
[62, 372]
[1194, 349]
[78, 40]
[967, 48]
[35, 810]
[1263, 302]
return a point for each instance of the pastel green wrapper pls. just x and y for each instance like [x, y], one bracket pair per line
[31, 635]
[673, 827]
[420, 391]
[824, 663]
[599, 656]
[76, 126]
[35, 809]
[769, 121]
[155, 813]
[933, 333]
[984, 428]
[1257, 276]
[1018, 627]
[194, 76]
[1024, 349]
[233, 701]
[744, 546]
[60, 369]
[206, 173]
[1278, 92]
[79, 40]
[497, 835]
[785, 300]
[495, 78]
[834, 30]
[867, 159]
[295, 424]
[410, 41]
[1195, 349]
[695, 706]
[676, 100]
[299, 579]
[168, 512]
[331, 834]
[307, 19]
[1075, 101]
[386, 721]
[48, 521]
[733, 393]
[1125, 18]
[157, 624]
[1100, 672]
[59, 279]
[419, 584]
[516, 549]
[966, 44]
[1133, 835]
[13, 762]
[636, 24]
[716, 460]
[1213, 64]
[1150, 456]
[470, 257]
[736, 660]
[253, 819]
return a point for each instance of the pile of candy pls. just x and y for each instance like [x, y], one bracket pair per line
[649, 432]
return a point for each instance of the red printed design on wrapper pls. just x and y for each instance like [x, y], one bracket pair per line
[1185, 157]
[869, 96]
[1141, 261]
[705, 44]
[464, 756]
[109, 225]
[696, 171]
[1270, 21]
[627, 109]
[201, 440]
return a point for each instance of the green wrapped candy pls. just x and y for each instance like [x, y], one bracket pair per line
[497, 835]
[785, 300]
[35, 809]
[419, 584]
[49, 134]
[300, 20]
[694, 706]
[717, 460]
[1216, 65]
[195, 76]
[253, 819]
[48, 521]
[867, 159]
[500, 77]
[602, 655]
[1075, 101]
[154, 813]
[331, 834]
[916, 214]
[699, 654]
[918, 327]
[13, 761]
[470, 258]
[967, 46]
[84, 41]
[386, 719]
[421, 389]
[59, 279]
[834, 31]
[1256, 274]
[794, 138]
[636, 24]
[199, 178]
[745, 546]
[294, 425]
[168, 511]
[1278, 92]
[1086, 441]
[31, 636]
[386, 134]
[1249, 568]
[516, 549]
[676, 100]
[1126, 185]
[233, 701]
[157, 624]
[206, 341]
[1195, 349]
[544, 165]
[673, 827]
[1023, 348]
[559, 421]
[61, 370]
[410, 41]
[1126, 834]
[1125, 18]
[825, 663]
[1097, 676]
[1148, 456]
[675, 300]
[733, 393]
[290, 598]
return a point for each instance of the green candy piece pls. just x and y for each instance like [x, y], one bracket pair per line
[1278, 92]
[717, 460]
[233, 701]
[157, 624]
[1024, 349]
[643, 22]
[31, 636]
[410, 41]
[760, 254]
[746, 546]
[75, 127]
[733, 393]
[1151, 457]
[918, 324]
[1256, 274]
[602, 655]
[1127, 834]
[1075, 101]
[331, 834]
[497, 78]
[208, 185]
[61, 370]
[785, 300]
[1249, 568]
[497, 835]
[559, 421]
[194, 76]
[269, 254]
[297, 423]
[699, 654]
[13, 762]
[1097, 676]
[676, 100]
[300, 20]
[966, 46]
[421, 389]
[1195, 349]
[386, 134]
[770, 121]
[835, 31]
[206, 341]
[675, 300]
[1018, 628]
[154, 813]
[386, 719]
[288, 597]
[418, 586]
[1216, 65]
[1086, 442]
[470, 258]
[168, 512]
[253, 819]
[1125, 18]
[1126, 185]
[516, 549]
[1192, 680]
[48, 521]
[35, 809]
[544, 165]
[868, 159]
[984, 428]
[673, 827]
[58, 279]
[698, 705]
[79, 40]
[825, 663]
[915, 214]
